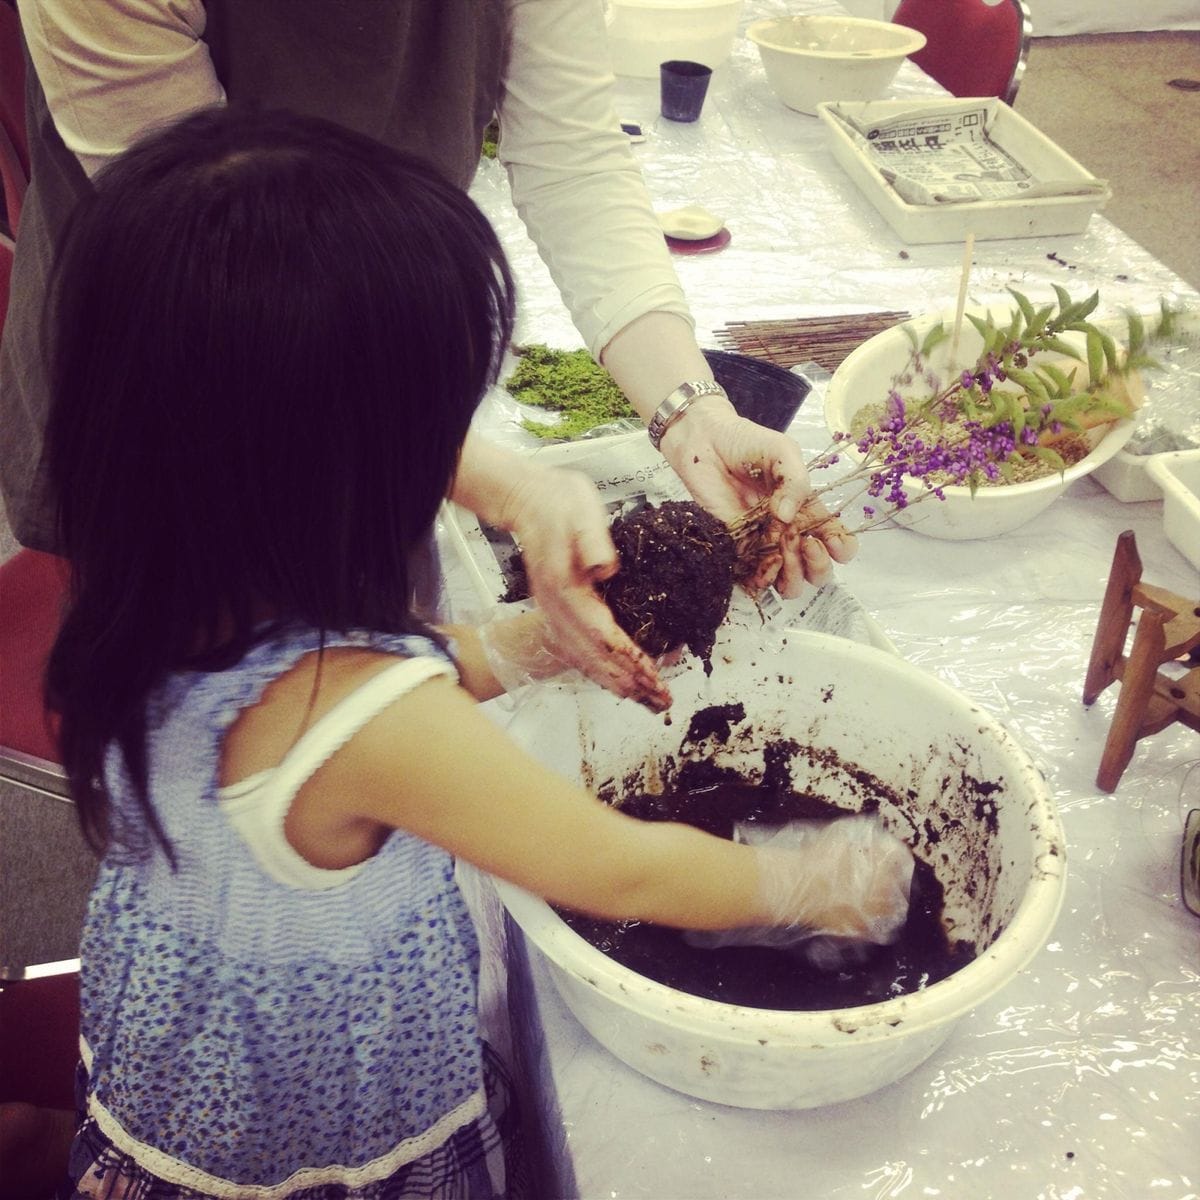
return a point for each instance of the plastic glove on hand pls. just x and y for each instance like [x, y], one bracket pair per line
[845, 882]
[521, 648]
[562, 526]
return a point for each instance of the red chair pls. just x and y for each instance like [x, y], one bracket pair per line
[33, 588]
[38, 1068]
[6, 265]
[39, 1022]
[972, 47]
[14, 142]
[39, 1005]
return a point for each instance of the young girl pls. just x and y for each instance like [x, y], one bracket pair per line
[269, 336]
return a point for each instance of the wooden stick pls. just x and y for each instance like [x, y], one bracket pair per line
[968, 252]
[823, 340]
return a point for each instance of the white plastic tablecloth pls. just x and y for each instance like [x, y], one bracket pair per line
[1081, 1079]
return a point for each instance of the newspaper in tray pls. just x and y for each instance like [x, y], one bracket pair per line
[945, 154]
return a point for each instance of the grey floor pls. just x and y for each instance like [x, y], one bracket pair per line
[46, 871]
[1106, 99]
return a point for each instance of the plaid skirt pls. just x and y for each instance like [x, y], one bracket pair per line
[484, 1160]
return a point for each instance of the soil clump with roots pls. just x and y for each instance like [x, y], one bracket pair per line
[678, 568]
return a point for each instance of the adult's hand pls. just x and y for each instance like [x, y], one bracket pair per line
[561, 525]
[728, 463]
[731, 464]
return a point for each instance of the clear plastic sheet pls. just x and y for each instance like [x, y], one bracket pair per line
[1170, 418]
[1080, 1079]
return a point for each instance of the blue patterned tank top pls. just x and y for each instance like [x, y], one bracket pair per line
[242, 1029]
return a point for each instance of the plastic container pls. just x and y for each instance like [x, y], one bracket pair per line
[1127, 477]
[828, 57]
[644, 33]
[867, 374]
[1177, 473]
[864, 712]
[1175, 384]
[1039, 216]
[684, 86]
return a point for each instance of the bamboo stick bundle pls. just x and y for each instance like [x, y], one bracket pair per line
[822, 340]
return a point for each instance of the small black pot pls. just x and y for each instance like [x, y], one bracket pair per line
[759, 390]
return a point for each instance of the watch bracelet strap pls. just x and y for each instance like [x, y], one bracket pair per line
[677, 403]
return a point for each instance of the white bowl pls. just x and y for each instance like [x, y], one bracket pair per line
[867, 374]
[866, 713]
[809, 59]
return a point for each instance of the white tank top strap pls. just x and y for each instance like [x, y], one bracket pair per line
[258, 806]
[348, 716]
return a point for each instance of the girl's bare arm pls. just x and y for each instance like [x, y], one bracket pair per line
[434, 765]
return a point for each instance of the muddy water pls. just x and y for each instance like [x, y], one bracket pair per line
[764, 978]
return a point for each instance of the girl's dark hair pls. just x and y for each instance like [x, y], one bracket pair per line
[268, 336]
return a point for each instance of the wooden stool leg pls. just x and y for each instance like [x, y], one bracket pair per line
[1116, 611]
[1137, 686]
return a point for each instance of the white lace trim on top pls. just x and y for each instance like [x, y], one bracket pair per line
[257, 806]
[171, 1170]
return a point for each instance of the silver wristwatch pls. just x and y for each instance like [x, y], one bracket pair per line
[677, 403]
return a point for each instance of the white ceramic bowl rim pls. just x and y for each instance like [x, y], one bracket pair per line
[673, 6]
[941, 1002]
[898, 40]
[1119, 432]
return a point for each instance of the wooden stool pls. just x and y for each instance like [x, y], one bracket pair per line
[1168, 628]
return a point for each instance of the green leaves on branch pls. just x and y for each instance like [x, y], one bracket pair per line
[1022, 378]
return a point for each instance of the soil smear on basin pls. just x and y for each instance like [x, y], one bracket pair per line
[765, 978]
[676, 577]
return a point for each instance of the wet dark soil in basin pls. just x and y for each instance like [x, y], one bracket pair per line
[765, 978]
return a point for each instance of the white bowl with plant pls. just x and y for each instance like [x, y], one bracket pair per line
[972, 429]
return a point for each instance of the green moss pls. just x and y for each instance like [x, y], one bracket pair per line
[569, 382]
[491, 139]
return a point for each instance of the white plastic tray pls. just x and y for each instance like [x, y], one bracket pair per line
[1178, 475]
[1041, 216]
[1127, 474]
[1127, 477]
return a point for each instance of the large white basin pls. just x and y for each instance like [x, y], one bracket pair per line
[946, 777]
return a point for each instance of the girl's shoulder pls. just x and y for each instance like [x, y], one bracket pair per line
[219, 696]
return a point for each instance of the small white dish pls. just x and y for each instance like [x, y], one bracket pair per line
[692, 223]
